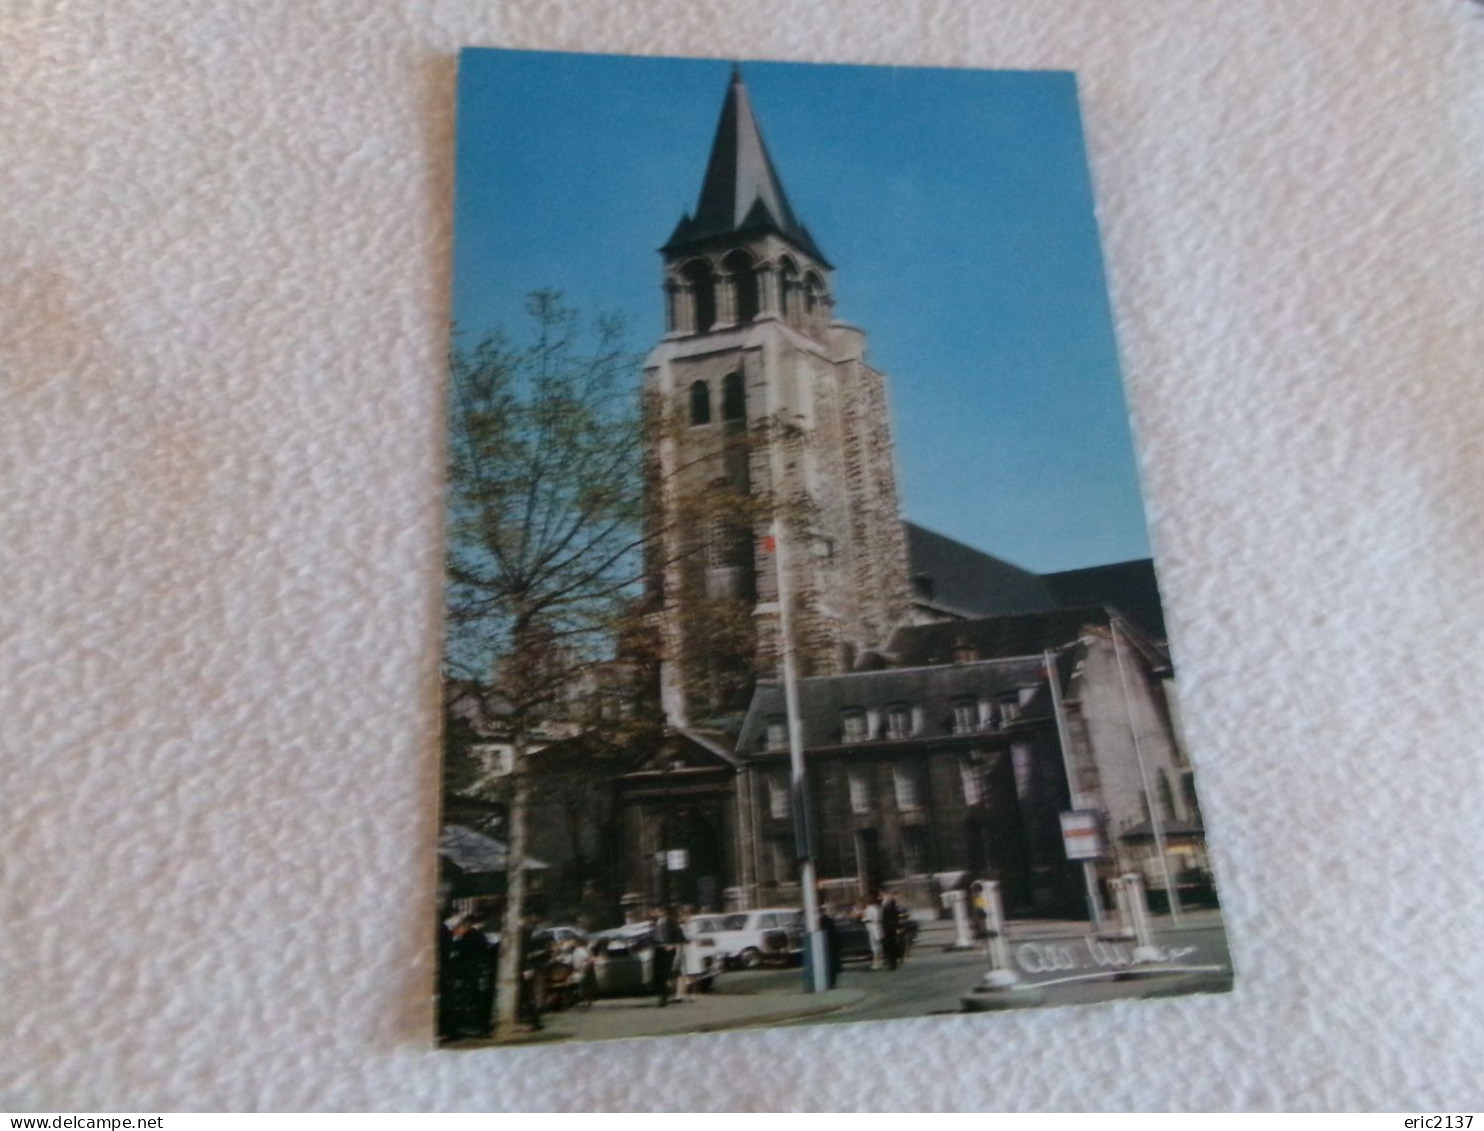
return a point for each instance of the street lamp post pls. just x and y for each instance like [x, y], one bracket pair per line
[799, 792]
[1075, 795]
[1156, 823]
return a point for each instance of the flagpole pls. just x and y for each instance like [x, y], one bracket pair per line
[799, 799]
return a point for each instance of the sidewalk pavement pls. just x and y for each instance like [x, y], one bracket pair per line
[941, 932]
[1065, 963]
[1203, 919]
[934, 980]
[612, 1018]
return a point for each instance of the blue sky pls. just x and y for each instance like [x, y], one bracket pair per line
[955, 205]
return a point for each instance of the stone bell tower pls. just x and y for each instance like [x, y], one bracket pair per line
[761, 409]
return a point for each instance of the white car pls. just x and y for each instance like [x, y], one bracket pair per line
[751, 938]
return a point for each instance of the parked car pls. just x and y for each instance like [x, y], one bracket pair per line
[558, 935]
[623, 962]
[852, 939]
[751, 938]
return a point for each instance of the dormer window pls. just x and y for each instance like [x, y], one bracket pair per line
[898, 721]
[777, 732]
[965, 716]
[964, 652]
[1009, 708]
[853, 726]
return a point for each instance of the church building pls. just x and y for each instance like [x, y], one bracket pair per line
[953, 705]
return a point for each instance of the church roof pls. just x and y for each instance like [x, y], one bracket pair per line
[1130, 587]
[741, 193]
[959, 579]
[992, 637]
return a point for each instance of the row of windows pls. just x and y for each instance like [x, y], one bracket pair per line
[901, 720]
[915, 855]
[906, 787]
[906, 790]
[733, 400]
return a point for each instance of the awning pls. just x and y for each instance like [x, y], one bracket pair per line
[474, 853]
[1170, 830]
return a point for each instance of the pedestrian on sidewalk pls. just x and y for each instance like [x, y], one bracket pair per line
[871, 915]
[535, 954]
[893, 930]
[692, 961]
[664, 939]
[831, 945]
[471, 979]
[584, 976]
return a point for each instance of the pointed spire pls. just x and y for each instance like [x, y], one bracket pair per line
[741, 190]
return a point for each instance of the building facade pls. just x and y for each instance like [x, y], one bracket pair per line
[953, 705]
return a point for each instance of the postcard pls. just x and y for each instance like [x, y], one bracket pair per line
[804, 660]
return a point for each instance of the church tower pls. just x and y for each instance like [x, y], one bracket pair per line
[761, 409]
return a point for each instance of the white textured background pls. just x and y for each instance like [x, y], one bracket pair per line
[224, 243]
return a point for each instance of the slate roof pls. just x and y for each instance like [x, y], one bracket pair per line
[960, 579]
[710, 742]
[1028, 634]
[741, 192]
[1145, 831]
[1130, 587]
[822, 699]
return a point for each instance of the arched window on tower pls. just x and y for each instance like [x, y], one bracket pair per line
[788, 290]
[702, 294]
[700, 403]
[733, 398]
[816, 300]
[743, 271]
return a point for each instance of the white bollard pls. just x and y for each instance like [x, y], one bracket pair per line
[957, 902]
[1132, 886]
[1000, 975]
[1125, 912]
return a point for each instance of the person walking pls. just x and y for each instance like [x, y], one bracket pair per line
[891, 930]
[664, 939]
[691, 966]
[831, 933]
[584, 976]
[471, 961]
[871, 916]
[535, 954]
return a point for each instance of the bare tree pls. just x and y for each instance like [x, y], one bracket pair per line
[545, 538]
[555, 524]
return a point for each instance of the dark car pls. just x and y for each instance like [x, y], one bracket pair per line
[852, 940]
[622, 966]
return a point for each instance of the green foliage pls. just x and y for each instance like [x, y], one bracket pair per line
[545, 504]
